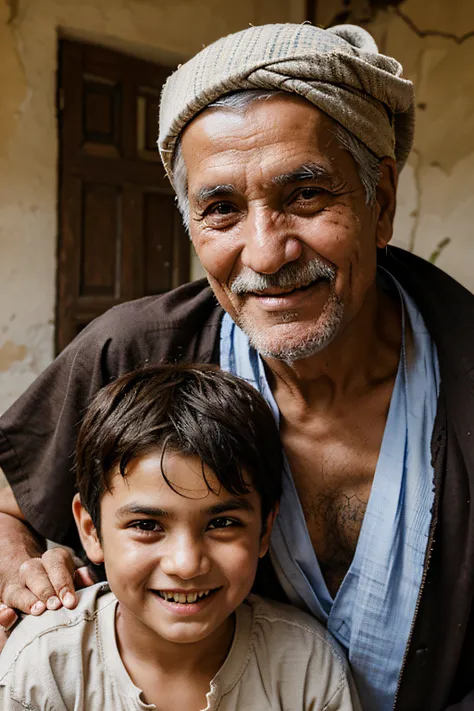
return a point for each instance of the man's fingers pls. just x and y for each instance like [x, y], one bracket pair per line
[83, 577]
[17, 596]
[8, 617]
[35, 578]
[59, 567]
[42, 583]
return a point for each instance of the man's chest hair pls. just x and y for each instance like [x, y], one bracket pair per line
[333, 478]
[334, 519]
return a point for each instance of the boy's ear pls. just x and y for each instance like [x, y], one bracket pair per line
[87, 531]
[266, 531]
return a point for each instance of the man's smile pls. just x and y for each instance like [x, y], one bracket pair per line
[278, 299]
[276, 291]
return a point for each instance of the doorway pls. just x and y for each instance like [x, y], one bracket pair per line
[120, 233]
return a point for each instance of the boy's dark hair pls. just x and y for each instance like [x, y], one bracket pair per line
[190, 409]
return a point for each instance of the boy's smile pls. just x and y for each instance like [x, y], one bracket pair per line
[179, 558]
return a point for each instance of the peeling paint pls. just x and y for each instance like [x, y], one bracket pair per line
[12, 77]
[9, 353]
[158, 30]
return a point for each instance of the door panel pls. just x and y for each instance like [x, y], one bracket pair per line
[120, 235]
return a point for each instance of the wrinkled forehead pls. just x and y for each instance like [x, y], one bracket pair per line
[270, 140]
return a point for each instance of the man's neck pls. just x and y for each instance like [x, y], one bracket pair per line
[365, 352]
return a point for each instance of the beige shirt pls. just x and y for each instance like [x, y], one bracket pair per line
[68, 660]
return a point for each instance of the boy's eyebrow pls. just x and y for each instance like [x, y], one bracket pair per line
[155, 512]
[229, 505]
[151, 511]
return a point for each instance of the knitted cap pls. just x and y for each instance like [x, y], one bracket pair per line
[339, 70]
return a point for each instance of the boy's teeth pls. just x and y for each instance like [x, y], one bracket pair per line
[184, 597]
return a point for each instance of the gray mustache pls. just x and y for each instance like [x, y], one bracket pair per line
[290, 276]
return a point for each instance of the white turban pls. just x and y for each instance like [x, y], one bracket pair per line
[339, 70]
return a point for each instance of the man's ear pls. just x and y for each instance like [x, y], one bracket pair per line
[266, 531]
[87, 531]
[386, 200]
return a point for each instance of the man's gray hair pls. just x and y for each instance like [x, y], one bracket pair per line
[368, 165]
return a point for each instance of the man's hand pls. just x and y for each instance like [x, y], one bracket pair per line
[43, 583]
[32, 579]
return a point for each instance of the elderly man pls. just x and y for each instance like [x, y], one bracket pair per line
[283, 143]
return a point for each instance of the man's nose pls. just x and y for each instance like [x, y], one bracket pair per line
[269, 242]
[185, 558]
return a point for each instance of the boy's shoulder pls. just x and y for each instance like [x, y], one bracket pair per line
[292, 625]
[52, 623]
[287, 659]
[52, 644]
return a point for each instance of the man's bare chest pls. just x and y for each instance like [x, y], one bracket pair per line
[333, 476]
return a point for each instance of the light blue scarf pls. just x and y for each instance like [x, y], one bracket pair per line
[372, 613]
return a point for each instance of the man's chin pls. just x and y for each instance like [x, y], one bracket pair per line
[284, 342]
[289, 340]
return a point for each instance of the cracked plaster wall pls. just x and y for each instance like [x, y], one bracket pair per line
[160, 30]
[435, 44]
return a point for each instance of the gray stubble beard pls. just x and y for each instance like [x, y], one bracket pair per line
[319, 337]
[322, 332]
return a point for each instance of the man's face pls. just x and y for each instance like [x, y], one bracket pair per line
[279, 220]
[179, 563]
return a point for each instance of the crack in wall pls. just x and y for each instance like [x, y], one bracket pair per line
[13, 7]
[459, 39]
[363, 12]
[360, 12]
[417, 211]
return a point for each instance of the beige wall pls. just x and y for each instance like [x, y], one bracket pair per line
[436, 193]
[436, 196]
[167, 31]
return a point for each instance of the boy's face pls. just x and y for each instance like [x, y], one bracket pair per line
[179, 563]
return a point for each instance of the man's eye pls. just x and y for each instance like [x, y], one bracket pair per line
[308, 193]
[145, 526]
[221, 208]
[222, 522]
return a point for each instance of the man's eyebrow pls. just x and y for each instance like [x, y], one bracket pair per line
[229, 505]
[307, 171]
[205, 194]
[136, 508]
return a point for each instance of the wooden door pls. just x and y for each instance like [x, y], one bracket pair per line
[120, 234]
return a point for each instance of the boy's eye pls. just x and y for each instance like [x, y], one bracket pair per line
[146, 526]
[223, 522]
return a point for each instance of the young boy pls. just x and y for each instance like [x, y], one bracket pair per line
[179, 477]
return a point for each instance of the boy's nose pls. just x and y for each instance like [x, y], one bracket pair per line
[185, 559]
